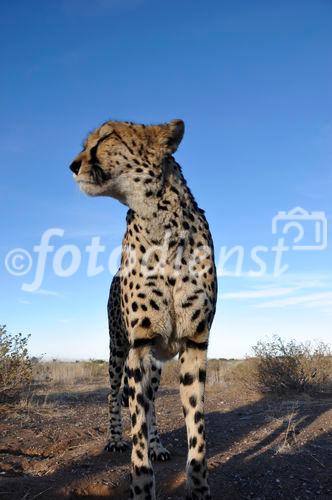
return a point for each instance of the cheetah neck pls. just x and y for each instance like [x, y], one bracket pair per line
[166, 215]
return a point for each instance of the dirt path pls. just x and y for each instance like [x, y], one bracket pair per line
[257, 447]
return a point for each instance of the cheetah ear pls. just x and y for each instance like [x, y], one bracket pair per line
[175, 132]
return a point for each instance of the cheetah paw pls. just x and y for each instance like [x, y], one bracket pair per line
[116, 447]
[160, 454]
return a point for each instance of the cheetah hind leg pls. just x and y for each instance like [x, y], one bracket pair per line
[118, 355]
[125, 387]
[115, 440]
[157, 450]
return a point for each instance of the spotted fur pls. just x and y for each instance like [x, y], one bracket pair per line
[162, 301]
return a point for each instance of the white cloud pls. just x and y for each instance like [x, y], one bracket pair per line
[43, 291]
[310, 300]
[308, 290]
[257, 294]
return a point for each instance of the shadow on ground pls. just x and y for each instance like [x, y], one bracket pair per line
[265, 449]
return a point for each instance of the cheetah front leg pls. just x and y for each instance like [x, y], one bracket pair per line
[192, 385]
[140, 407]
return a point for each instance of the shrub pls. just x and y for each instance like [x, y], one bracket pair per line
[15, 364]
[292, 366]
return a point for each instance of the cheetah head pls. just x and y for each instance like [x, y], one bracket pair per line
[125, 160]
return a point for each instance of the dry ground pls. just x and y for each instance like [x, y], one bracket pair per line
[258, 447]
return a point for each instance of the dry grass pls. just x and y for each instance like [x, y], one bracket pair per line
[218, 371]
[68, 373]
[65, 374]
[238, 376]
[59, 380]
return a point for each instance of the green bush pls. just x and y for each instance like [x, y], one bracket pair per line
[15, 364]
[283, 367]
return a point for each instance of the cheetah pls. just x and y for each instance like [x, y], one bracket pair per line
[162, 301]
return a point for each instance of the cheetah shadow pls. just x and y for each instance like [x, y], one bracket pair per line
[270, 462]
[255, 468]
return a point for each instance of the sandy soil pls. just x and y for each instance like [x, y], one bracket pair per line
[262, 448]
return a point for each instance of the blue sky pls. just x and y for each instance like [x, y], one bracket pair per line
[252, 81]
